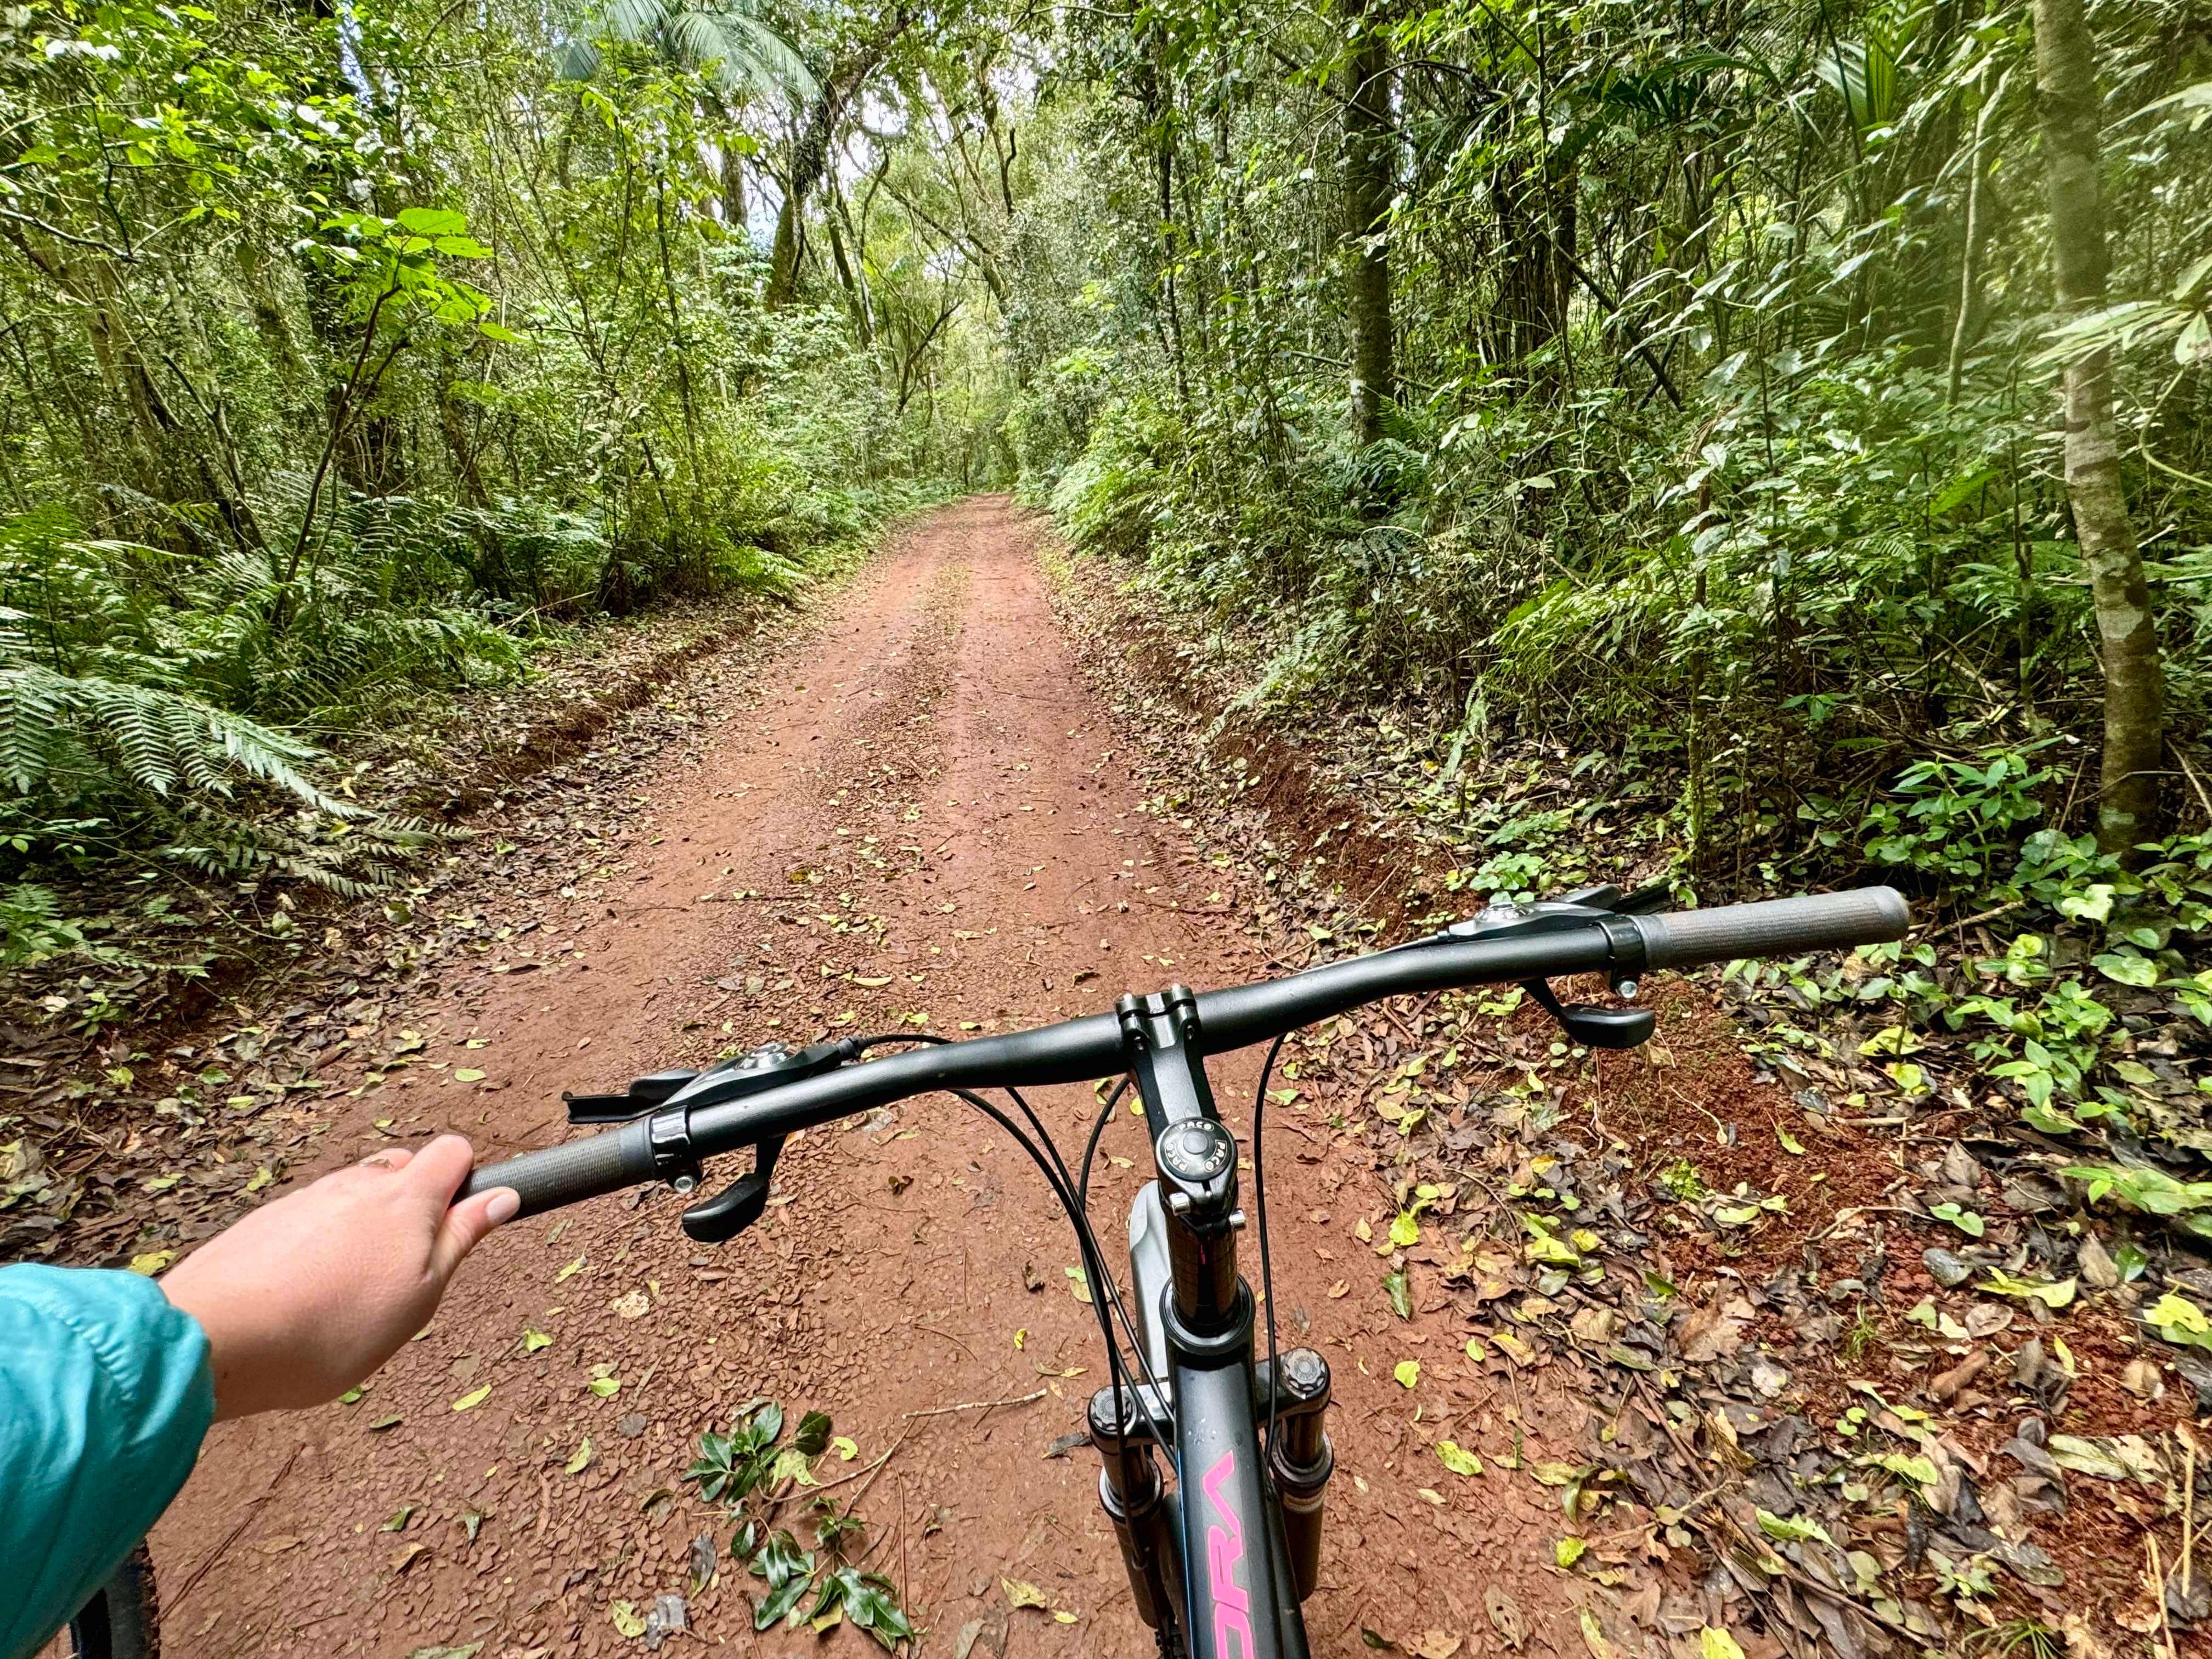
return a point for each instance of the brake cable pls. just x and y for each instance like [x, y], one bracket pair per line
[1260, 1204]
[1105, 1293]
[1097, 1129]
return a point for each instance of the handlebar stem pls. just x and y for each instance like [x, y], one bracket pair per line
[1195, 1154]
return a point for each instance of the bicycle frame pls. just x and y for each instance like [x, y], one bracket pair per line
[1233, 1550]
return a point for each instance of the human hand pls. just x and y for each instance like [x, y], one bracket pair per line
[309, 1295]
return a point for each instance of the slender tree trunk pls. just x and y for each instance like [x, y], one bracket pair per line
[1970, 262]
[2065, 77]
[1368, 153]
[733, 191]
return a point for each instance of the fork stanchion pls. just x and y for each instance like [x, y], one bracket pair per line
[1300, 1457]
[1135, 1500]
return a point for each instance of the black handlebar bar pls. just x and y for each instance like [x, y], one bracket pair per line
[1080, 1050]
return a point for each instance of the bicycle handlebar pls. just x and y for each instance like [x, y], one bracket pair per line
[1775, 927]
[1081, 1050]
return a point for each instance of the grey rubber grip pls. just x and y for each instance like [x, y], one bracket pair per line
[1777, 928]
[604, 1163]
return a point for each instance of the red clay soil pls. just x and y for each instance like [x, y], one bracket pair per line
[924, 792]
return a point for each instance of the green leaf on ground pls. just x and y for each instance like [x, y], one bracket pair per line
[1456, 1458]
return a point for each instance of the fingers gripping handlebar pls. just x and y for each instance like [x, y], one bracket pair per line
[1504, 946]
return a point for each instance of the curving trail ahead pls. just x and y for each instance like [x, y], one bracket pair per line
[940, 819]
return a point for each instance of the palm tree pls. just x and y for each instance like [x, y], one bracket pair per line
[746, 53]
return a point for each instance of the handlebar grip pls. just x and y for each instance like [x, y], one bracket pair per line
[597, 1165]
[1777, 927]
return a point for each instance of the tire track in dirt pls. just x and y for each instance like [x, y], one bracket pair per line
[936, 817]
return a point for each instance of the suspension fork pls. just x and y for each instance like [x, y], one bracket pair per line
[1196, 1316]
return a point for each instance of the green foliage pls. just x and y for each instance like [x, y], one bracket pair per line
[751, 1471]
[1956, 821]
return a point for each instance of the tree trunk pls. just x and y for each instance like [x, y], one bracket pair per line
[1532, 281]
[733, 191]
[2065, 77]
[810, 150]
[1368, 152]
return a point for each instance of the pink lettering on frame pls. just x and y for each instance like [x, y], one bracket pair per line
[1225, 1553]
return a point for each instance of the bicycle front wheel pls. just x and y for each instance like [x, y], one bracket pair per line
[122, 1620]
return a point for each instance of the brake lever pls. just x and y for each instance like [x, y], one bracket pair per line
[1591, 1026]
[738, 1206]
[716, 1220]
[1586, 1023]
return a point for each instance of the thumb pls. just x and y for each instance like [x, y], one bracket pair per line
[467, 1224]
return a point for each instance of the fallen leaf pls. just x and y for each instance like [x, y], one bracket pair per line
[1458, 1458]
[152, 1261]
[626, 1619]
[634, 1305]
[1021, 1593]
[1717, 1645]
[1505, 1616]
[403, 1557]
[582, 1459]
[570, 1271]
[1796, 1528]
[2119, 1457]
[1409, 1373]
[1714, 1331]
[1569, 1549]
[472, 1399]
[533, 1340]
[468, 1074]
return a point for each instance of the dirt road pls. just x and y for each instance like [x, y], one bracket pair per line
[922, 811]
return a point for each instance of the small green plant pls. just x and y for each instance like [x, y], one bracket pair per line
[1967, 1221]
[2187, 1204]
[2018, 1638]
[1864, 1336]
[1956, 819]
[752, 1472]
[1681, 1182]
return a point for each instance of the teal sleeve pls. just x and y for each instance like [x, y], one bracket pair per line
[104, 1394]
